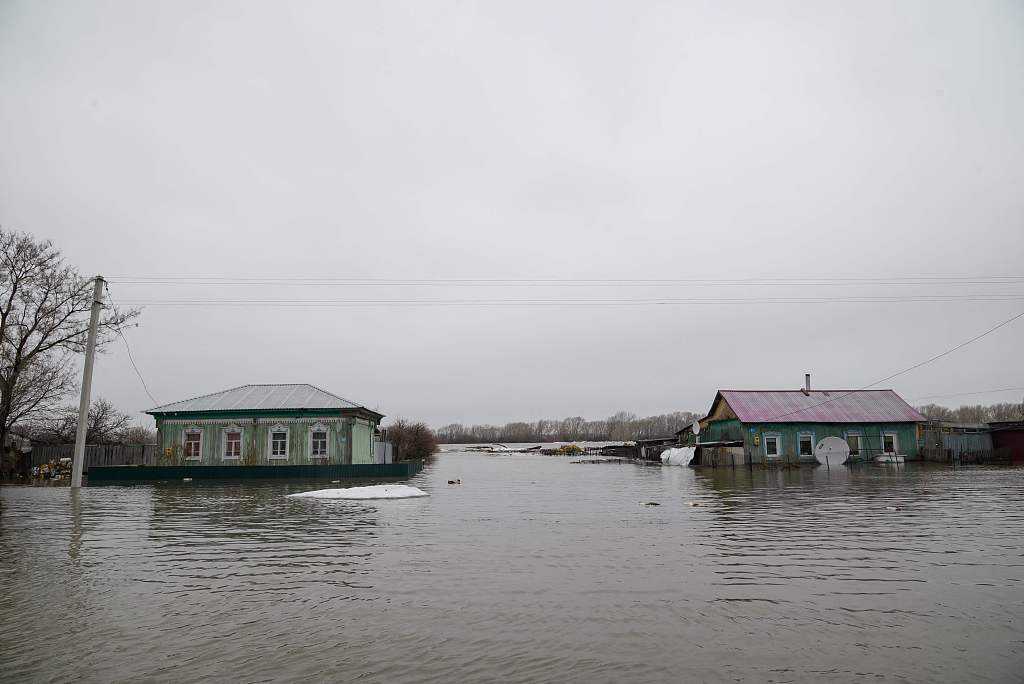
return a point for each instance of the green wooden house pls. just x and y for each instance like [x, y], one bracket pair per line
[745, 427]
[267, 425]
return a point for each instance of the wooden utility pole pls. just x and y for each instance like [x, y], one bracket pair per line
[83, 406]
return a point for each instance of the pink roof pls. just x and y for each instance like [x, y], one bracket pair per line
[821, 406]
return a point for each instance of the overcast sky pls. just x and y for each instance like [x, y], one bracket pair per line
[538, 140]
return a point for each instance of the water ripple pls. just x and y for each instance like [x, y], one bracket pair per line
[534, 570]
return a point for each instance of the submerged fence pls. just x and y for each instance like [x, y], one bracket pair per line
[102, 454]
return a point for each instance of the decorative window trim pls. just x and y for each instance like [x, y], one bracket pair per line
[279, 427]
[777, 436]
[895, 442]
[318, 427]
[191, 430]
[860, 441]
[799, 438]
[224, 442]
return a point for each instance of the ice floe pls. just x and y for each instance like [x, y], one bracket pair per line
[371, 492]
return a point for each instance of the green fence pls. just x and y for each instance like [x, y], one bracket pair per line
[380, 471]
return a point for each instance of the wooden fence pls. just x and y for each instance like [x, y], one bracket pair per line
[102, 455]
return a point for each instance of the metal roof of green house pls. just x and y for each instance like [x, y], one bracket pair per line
[260, 398]
[820, 406]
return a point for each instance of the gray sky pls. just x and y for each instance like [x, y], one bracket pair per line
[435, 140]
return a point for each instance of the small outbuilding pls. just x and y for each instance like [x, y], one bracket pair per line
[1008, 439]
[784, 426]
[267, 425]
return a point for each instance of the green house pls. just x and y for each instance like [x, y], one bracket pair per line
[267, 425]
[785, 426]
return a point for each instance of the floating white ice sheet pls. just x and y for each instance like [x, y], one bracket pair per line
[371, 492]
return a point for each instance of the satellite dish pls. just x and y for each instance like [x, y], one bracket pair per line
[832, 451]
[696, 427]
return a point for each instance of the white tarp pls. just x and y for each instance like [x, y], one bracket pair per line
[680, 457]
[371, 492]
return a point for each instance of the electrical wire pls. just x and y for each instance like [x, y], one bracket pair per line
[902, 372]
[129, 349]
[985, 297]
[563, 282]
[966, 394]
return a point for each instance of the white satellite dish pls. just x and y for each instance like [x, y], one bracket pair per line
[696, 427]
[832, 451]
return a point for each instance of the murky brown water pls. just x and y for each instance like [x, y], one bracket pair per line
[534, 570]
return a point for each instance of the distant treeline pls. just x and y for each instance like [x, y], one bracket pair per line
[978, 413]
[620, 427]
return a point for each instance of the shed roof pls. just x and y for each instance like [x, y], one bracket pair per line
[820, 406]
[260, 398]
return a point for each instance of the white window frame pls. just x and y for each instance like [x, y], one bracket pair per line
[799, 437]
[319, 427]
[270, 442]
[192, 430]
[777, 436]
[860, 441]
[224, 442]
[895, 443]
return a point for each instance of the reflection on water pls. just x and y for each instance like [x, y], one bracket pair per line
[534, 569]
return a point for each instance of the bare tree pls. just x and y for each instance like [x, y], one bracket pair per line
[44, 318]
[106, 425]
[137, 434]
[411, 440]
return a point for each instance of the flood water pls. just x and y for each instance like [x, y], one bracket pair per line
[535, 569]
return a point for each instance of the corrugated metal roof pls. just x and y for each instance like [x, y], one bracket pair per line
[261, 397]
[820, 406]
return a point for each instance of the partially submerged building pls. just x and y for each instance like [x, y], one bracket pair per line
[784, 426]
[268, 425]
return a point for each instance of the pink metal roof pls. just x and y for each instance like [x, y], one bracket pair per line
[821, 406]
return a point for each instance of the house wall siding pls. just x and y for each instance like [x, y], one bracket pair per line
[871, 435]
[362, 441]
[256, 439]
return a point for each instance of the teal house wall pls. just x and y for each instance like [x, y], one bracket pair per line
[258, 410]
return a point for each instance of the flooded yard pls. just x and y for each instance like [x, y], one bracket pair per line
[533, 569]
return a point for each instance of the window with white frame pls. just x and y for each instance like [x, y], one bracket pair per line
[806, 441]
[193, 444]
[232, 443]
[278, 442]
[853, 440]
[318, 441]
[890, 444]
[772, 446]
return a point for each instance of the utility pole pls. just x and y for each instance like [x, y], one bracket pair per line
[83, 406]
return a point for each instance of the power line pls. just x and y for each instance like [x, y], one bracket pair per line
[905, 370]
[562, 282]
[862, 299]
[966, 394]
[129, 349]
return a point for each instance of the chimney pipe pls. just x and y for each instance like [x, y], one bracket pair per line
[807, 384]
